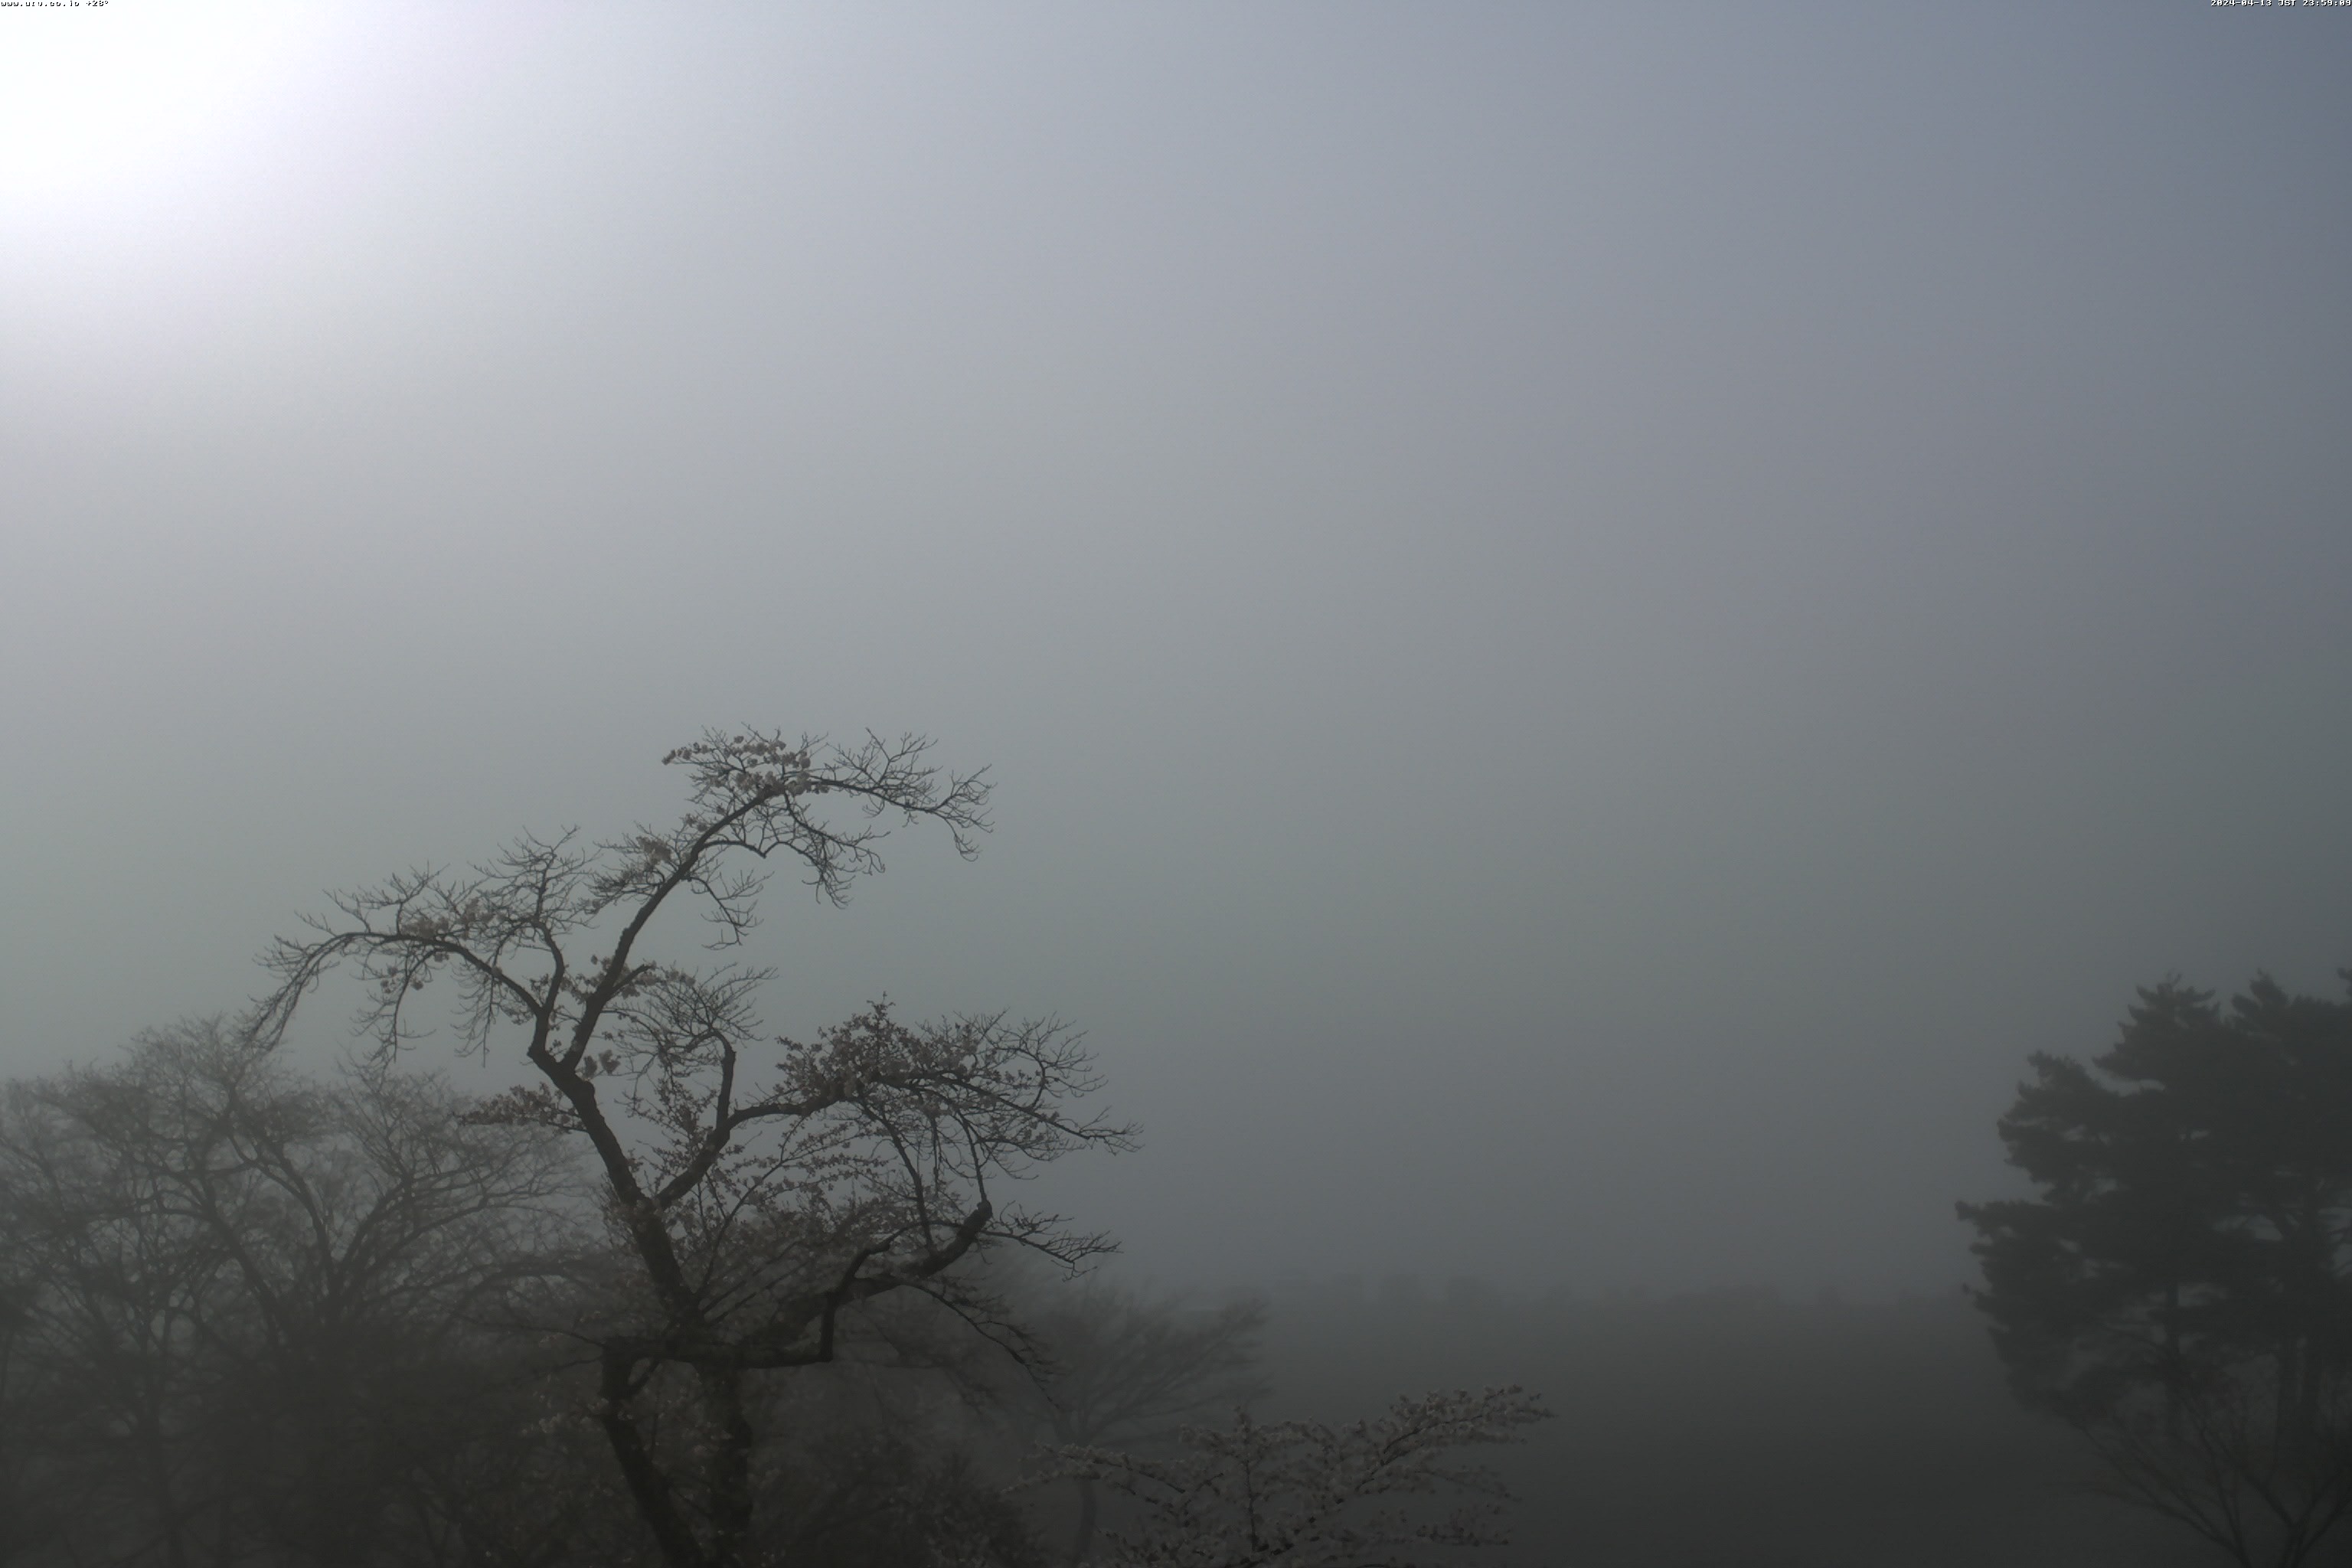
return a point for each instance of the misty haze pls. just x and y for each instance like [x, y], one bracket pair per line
[1175, 785]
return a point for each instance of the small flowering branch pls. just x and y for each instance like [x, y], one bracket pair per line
[1295, 1493]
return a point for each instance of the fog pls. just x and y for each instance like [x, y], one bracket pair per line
[1588, 623]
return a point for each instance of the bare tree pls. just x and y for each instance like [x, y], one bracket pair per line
[120, 1291]
[239, 1286]
[1296, 1494]
[760, 1186]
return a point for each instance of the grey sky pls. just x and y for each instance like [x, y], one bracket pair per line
[1589, 621]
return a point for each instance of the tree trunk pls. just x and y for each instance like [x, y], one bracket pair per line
[729, 1473]
[157, 1462]
[648, 1487]
[1089, 1506]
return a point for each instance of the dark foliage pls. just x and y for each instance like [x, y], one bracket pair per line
[2180, 1288]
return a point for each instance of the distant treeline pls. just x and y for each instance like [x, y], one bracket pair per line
[251, 1318]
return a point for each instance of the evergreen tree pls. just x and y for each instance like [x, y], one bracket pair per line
[2180, 1288]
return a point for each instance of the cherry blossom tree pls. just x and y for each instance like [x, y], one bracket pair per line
[758, 1187]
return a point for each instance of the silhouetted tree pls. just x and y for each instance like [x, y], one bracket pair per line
[760, 1188]
[239, 1287]
[1123, 1369]
[2180, 1290]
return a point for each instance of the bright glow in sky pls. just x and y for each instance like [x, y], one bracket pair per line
[1591, 619]
[98, 102]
